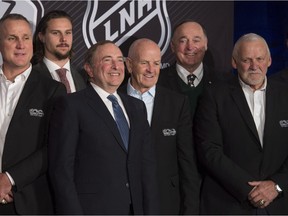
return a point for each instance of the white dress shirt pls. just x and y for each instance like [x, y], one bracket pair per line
[183, 73]
[103, 95]
[147, 97]
[52, 67]
[256, 102]
[10, 92]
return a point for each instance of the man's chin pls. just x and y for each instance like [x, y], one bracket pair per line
[61, 56]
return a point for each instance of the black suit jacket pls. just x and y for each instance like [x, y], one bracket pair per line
[91, 171]
[171, 128]
[230, 150]
[79, 77]
[25, 149]
[280, 76]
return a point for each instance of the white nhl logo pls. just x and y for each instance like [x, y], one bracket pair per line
[121, 20]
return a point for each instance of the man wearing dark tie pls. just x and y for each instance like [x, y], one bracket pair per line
[53, 40]
[100, 150]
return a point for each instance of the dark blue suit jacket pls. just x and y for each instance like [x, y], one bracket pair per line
[91, 171]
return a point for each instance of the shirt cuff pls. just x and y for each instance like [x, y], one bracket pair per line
[10, 179]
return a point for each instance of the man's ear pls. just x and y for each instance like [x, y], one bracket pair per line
[41, 37]
[172, 46]
[128, 63]
[88, 69]
[234, 65]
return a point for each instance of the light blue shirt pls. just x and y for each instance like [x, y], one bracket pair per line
[147, 97]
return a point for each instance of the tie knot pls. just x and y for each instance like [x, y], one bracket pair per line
[61, 72]
[112, 98]
[191, 79]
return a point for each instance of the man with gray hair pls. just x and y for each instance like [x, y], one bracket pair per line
[241, 136]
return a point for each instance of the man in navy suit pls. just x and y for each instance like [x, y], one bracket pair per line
[170, 122]
[25, 98]
[91, 169]
[241, 132]
[53, 40]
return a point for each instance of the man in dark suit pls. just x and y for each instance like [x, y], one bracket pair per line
[241, 132]
[25, 97]
[189, 44]
[170, 122]
[92, 170]
[281, 76]
[53, 40]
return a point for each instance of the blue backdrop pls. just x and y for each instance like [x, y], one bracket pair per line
[268, 19]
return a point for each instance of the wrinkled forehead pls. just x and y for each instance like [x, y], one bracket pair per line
[12, 26]
[108, 49]
[189, 29]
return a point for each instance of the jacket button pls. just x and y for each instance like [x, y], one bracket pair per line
[127, 185]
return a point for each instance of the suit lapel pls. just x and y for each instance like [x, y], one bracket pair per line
[77, 78]
[157, 107]
[271, 97]
[26, 95]
[240, 101]
[100, 108]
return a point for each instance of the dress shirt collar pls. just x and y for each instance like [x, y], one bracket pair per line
[137, 94]
[183, 73]
[53, 67]
[24, 76]
[103, 94]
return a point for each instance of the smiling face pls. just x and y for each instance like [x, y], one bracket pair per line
[107, 67]
[16, 44]
[144, 64]
[57, 39]
[189, 43]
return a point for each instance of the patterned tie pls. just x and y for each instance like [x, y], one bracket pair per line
[120, 119]
[191, 79]
[62, 75]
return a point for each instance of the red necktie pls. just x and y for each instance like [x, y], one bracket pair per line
[62, 75]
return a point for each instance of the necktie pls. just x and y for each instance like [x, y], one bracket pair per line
[120, 119]
[191, 79]
[62, 75]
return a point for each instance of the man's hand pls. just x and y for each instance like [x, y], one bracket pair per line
[262, 194]
[5, 188]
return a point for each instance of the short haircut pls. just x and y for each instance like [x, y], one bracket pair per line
[187, 21]
[88, 59]
[248, 38]
[13, 16]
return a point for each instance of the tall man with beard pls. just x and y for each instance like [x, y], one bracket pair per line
[53, 50]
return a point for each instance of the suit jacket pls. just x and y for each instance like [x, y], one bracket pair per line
[280, 76]
[230, 150]
[91, 171]
[25, 149]
[79, 77]
[172, 136]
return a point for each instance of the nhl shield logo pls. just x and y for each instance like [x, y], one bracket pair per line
[124, 21]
